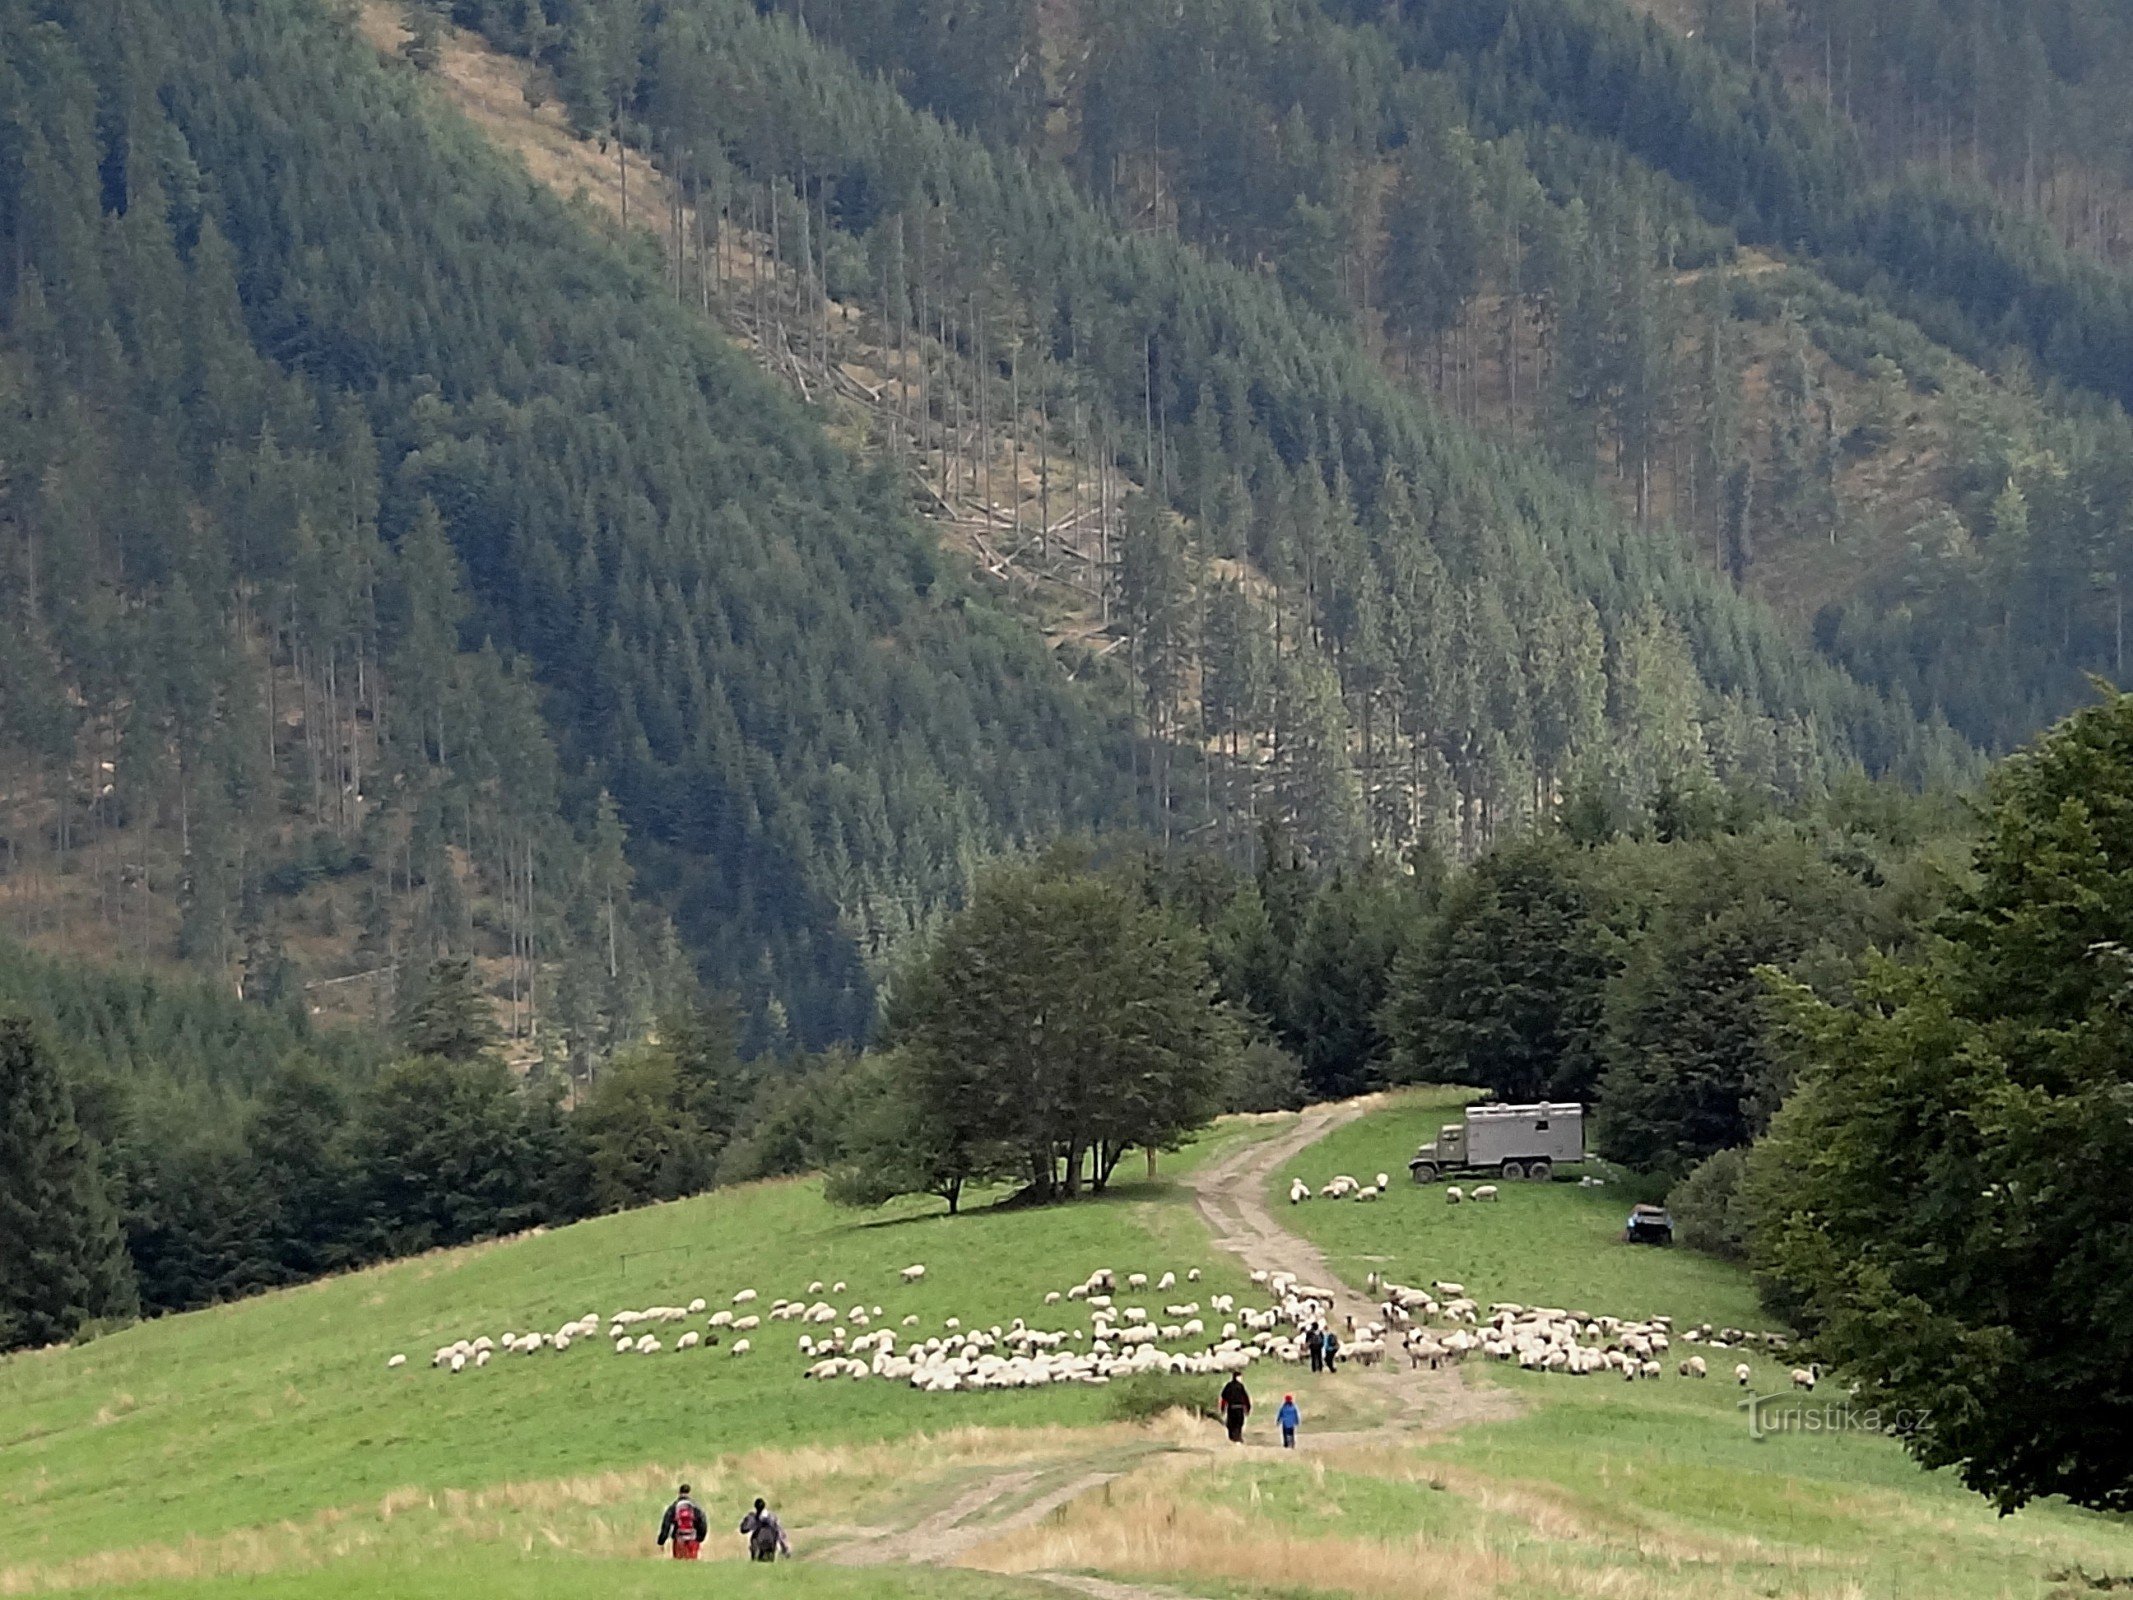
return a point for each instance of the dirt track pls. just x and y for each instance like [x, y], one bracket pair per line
[1231, 1195]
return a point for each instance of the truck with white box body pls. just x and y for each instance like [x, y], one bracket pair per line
[1510, 1142]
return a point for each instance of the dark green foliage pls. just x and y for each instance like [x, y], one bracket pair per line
[657, 1120]
[450, 1154]
[1264, 1077]
[1505, 990]
[1053, 1025]
[446, 1015]
[1691, 1064]
[1940, 1198]
[1710, 1213]
[62, 1261]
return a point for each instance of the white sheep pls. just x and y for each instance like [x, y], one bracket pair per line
[459, 1362]
[912, 1273]
[1804, 1377]
[1453, 1194]
[1485, 1191]
[688, 1341]
[745, 1324]
[1136, 1280]
[744, 1297]
[837, 1287]
[1384, 1182]
[815, 1288]
[741, 1347]
[395, 1361]
[1741, 1374]
[1193, 1276]
[1695, 1367]
[1368, 1193]
[696, 1306]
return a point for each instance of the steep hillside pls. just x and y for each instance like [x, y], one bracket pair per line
[1575, 227]
[269, 370]
[1425, 667]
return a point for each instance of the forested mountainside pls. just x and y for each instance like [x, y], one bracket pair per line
[369, 519]
[1557, 216]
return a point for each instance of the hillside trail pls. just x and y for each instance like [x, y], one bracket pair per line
[1230, 1196]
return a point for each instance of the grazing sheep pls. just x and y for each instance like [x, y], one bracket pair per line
[1695, 1367]
[1193, 1276]
[1485, 1191]
[1804, 1377]
[1384, 1182]
[1052, 1298]
[1136, 1280]
[911, 1321]
[741, 1347]
[688, 1341]
[913, 1273]
[395, 1361]
[837, 1287]
[744, 1324]
[815, 1288]
[721, 1319]
[649, 1346]
[1453, 1194]
[1368, 1193]
[744, 1297]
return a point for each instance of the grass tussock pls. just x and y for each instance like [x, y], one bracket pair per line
[1521, 1542]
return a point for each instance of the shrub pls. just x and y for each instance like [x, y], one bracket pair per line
[1709, 1212]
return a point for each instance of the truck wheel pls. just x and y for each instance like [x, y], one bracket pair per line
[1540, 1171]
[1513, 1171]
[1425, 1172]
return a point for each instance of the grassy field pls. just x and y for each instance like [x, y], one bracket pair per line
[282, 1407]
[560, 1575]
[1545, 1243]
[1600, 1482]
[264, 1449]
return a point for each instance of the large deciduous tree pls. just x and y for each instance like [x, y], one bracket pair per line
[1944, 1195]
[1054, 1025]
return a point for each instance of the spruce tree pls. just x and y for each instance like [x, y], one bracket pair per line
[62, 1261]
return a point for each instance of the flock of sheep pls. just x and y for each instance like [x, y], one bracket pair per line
[1344, 1187]
[1431, 1326]
[634, 1332]
[1550, 1339]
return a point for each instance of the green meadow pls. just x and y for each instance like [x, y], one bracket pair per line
[264, 1449]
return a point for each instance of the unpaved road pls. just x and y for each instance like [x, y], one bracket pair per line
[1230, 1194]
[1232, 1197]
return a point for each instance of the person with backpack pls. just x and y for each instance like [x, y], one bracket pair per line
[1315, 1347]
[1333, 1348]
[683, 1527]
[1236, 1401]
[1290, 1419]
[766, 1535]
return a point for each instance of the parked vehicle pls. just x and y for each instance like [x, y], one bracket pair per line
[1648, 1225]
[1511, 1142]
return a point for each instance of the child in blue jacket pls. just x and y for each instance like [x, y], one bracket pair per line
[1289, 1418]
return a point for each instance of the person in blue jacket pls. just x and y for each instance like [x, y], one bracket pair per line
[1289, 1418]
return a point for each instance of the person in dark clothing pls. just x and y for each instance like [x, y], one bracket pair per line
[1333, 1348]
[1315, 1347]
[766, 1536]
[1236, 1402]
[683, 1526]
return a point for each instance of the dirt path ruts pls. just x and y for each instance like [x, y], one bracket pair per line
[1231, 1196]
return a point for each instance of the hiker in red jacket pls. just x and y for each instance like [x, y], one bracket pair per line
[684, 1525]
